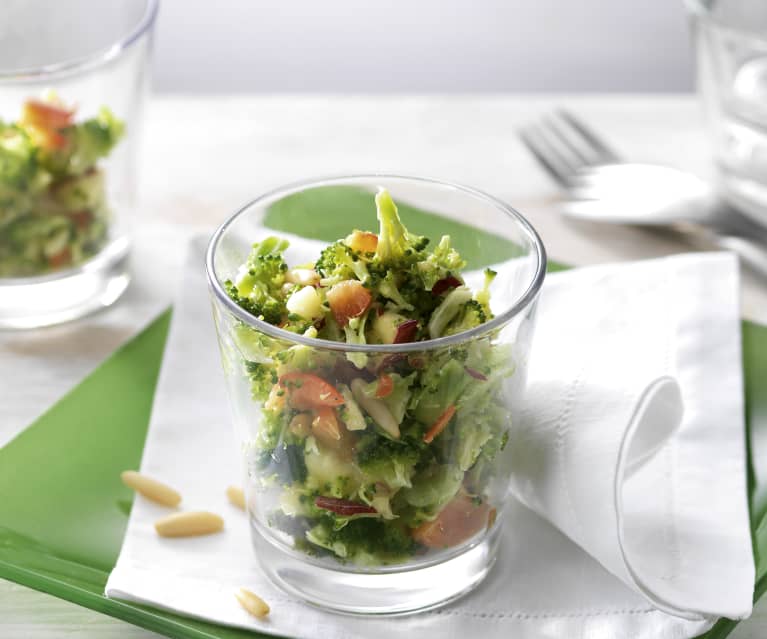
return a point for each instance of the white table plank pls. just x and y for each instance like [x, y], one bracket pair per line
[203, 157]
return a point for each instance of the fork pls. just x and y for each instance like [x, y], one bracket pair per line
[601, 186]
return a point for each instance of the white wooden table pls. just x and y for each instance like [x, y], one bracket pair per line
[202, 157]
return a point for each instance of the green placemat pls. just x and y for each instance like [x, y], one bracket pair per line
[63, 509]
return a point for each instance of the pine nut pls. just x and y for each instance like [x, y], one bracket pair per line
[252, 603]
[189, 524]
[236, 496]
[150, 488]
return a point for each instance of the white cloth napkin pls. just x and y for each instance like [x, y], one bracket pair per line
[652, 518]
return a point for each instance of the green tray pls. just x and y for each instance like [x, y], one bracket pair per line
[63, 509]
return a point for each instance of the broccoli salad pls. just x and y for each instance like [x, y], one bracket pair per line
[372, 458]
[53, 207]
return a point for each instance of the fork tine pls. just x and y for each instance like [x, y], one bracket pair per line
[549, 157]
[560, 136]
[599, 148]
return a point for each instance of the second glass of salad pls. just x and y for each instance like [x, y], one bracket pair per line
[71, 101]
[374, 333]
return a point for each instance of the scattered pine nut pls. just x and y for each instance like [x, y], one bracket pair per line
[252, 603]
[236, 496]
[189, 524]
[150, 488]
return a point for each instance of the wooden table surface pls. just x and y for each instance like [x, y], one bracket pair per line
[203, 157]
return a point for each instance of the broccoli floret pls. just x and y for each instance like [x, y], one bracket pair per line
[355, 334]
[470, 315]
[388, 461]
[441, 263]
[259, 283]
[86, 143]
[389, 289]
[483, 295]
[433, 487]
[18, 157]
[396, 246]
[447, 310]
[263, 377]
[364, 541]
[442, 383]
[339, 262]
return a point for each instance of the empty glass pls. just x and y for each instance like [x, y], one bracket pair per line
[731, 48]
[73, 81]
[361, 499]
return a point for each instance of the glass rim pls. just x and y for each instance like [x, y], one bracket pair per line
[701, 11]
[85, 62]
[520, 303]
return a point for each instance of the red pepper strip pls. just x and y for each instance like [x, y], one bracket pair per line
[444, 284]
[406, 332]
[385, 386]
[343, 507]
[306, 391]
[437, 427]
[475, 373]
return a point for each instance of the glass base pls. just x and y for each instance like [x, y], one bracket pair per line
[394, 592]
[32, 302]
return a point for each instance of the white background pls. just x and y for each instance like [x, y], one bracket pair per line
[216, 46]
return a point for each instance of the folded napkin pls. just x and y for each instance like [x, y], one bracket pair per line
[632, 446]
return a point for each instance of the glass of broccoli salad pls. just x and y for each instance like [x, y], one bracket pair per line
[373, 383]
[54, 210]
[71, 104]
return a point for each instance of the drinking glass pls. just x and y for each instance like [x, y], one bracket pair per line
[730, 39]
[73, 82]
[381, 502]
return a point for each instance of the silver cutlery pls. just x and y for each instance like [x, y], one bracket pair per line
[601, 186]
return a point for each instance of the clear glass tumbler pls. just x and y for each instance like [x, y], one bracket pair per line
[73, 82]
[730, 38]
[384, 503]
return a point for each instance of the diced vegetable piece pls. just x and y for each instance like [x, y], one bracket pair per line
[437, 427]
[460, 520]
[406, 332]
[46, 114]
[306, 303]
[303, 276]
[347, 300]
[362, 242]
[445, 284]
[301, 425]
[475, 373]
[343, 507]
[385, 326]
[385, 386]
[306, 391]
[325, 426]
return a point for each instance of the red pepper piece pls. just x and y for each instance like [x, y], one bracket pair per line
[444, 284]
[406, 332]
[475, 373]
[343, 507]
